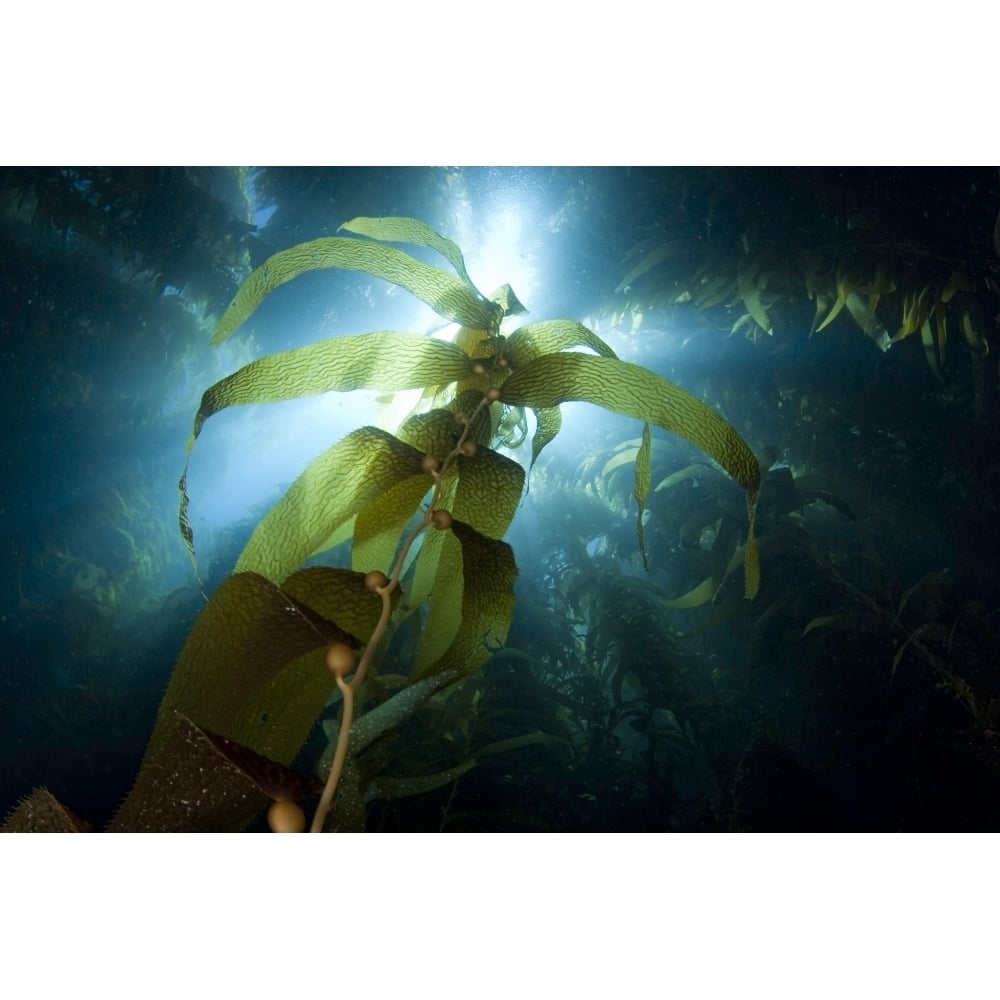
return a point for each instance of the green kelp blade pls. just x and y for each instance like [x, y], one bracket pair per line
[707, 590]
[277, 718]
[693, 471]
[383, 359]
[400, 229]
[973, 337]
[625, 454]
[390, 714]
[827, 621]
[550, 336]
[510, 425]
[488, 573]
[333, 487]
[433, 433]
[535, 340]
[381, 525]
[870, 324]
[490, 484]
[643, 477]
[750, 284]
[548, 423]
[489, 490]
[505, 298]
[399, 788]
[710, 292]
[698, 595]
[338, 595]
[253, 671]
[447, 295]
[930, 350]
[445, 615]
[660, 253]
[421, 581]
[637, 392]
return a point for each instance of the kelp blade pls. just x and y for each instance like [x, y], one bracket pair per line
[488, 575]
[204, 783]
[249, 633]
[534, 340]
[42, 812]
[637, 392]
[400, 229]
[244, 636]
[643, 477]
[335, 486]
[447, 295]
[386, 360]
[383, 359]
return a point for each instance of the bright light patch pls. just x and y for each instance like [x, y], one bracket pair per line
[499, 256]
[248, 456]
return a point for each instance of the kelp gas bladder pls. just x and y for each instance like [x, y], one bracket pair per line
[266, 652]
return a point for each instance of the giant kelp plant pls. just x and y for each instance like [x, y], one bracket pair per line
[857, 690]
[275, 641]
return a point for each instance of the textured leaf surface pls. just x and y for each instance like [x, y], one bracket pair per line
[42, 812]
[505, 298]
[642, 482]
[244, 636]
[549, 337]
[445, 616]
[392, 713]
[399, 229]
[488, 574]
[384, 359]
[548, 423]
[380, 527]
[252, 671]
[447, 295]
[489, 484]
[489, 490]
[637, 392]
[277, 718]
[333, 487]
[434, 433]
[425, 567]
[339, 595]
[202, 782]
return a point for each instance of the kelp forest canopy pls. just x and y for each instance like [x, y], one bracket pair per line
[751, 584]
[848, 239]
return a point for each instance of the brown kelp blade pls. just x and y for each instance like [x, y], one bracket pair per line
[42, 812]
[202, 782]
[229, 673]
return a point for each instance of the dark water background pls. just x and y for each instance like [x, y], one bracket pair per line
[730, 716]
